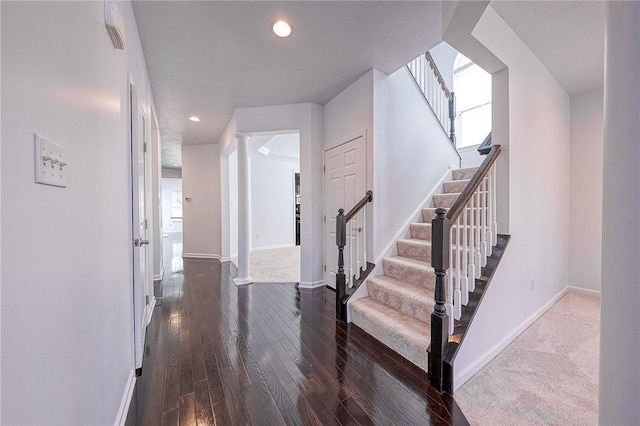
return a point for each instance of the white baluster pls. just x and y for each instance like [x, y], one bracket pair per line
[483, 235]
[457, 298]
[472, 247]
[444, 108]
[465, 258]
[350, 239]
[358, 231]
[489, 212]
[478, 253]
[450, 298]
[494, 218]
[364, 237]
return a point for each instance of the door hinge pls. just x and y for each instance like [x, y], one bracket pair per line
[144, 147]
[325, 268]
[146, 224]
[324, 169]
[324, 219]
[148, 298]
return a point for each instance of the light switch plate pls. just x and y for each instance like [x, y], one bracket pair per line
[51, 165]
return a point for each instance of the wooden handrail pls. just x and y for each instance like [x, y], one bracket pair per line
[493, 151]
[359, 205]
[485, 146]
[443, 84]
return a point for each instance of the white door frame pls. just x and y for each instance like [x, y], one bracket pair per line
[137, 121]
[365, 178]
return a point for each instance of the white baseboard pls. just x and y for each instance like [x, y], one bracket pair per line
[200, 256]
[225, 259]
[483, 360]
[311, 284]
[584, 290]
[121, 417]
[272, 247]
[160, 276]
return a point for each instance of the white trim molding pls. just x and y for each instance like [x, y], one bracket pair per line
[279, 246]
[121, 417]
[584, 290]
[200, 256]
[160, 276]
[245, 281]
[311, 284]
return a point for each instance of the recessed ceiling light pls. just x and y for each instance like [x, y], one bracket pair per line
[282, 29]
[194, 118]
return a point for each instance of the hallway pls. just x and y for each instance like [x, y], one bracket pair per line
[268, 353]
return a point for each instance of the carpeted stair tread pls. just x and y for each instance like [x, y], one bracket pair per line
[412, 271]
[407, 298]
[428, 214]
[403, 333]
[420, 231]
[414, 249]
[455, 185]
[445, 200]
[461, 174]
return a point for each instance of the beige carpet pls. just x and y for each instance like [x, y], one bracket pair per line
[548, 375]
[281, 265]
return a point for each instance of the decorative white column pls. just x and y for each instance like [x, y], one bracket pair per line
[244, 212]
[620, 303]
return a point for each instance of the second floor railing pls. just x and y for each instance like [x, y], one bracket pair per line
[351, 236]
[439, 97]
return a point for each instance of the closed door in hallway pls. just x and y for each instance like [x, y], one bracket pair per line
[344, 185]
[141, 277]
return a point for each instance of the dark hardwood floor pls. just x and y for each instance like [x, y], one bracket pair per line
[267, 354]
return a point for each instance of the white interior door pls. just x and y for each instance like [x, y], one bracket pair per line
[139, 223]
[344, 185]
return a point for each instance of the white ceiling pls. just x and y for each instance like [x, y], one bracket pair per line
[567, 37]
[207, 58]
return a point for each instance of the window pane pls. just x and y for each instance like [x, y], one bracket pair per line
[176, 204]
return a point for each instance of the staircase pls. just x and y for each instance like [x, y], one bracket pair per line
[398, 308]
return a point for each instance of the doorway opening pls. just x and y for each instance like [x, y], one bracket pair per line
[275, 206]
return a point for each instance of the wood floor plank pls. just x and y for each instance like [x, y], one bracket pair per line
[271, 353]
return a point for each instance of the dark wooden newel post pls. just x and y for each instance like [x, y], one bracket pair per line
[439, 318]
[341, 282]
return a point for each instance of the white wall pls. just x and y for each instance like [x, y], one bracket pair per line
[201, 182]
[407, 150]
[169, 186]
[444, 56]
[585, 250]
[67, 308]
[470, 157]
[349, 114]
[411, 152]
[156, 200]
[537, 151]
[272, 201]
[233, 203]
